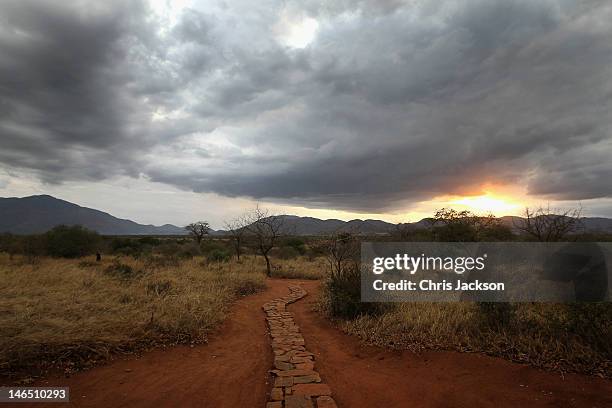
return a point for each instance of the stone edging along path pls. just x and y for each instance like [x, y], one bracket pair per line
[296, 383]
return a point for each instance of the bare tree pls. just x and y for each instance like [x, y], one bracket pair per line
[550, 225]
[236, 229]
[266, 230]
[342, 251]
[198, 230]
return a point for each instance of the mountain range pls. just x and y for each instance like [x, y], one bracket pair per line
[37, 214]
[40, 213]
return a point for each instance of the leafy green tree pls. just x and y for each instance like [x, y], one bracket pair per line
[449, 225]
[71, 241]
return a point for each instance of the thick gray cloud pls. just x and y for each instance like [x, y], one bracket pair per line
[391, 103]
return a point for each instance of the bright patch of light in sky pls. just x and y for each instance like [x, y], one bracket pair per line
[169, 9]
[296, 32]
[488, 203]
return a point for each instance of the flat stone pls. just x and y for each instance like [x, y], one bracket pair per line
[283, 382]
[305, 366]
[298, 401]
[281, 365]
[296, 360]
[276, 394]
[326, 402]
[294, 373]
[305, 379]
[311, 390]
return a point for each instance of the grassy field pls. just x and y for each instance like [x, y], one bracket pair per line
[567, 338]
[298, 268]
[69, 314]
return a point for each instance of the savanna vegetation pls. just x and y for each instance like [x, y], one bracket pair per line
[574, 337]
[61, 309]
[68, 314]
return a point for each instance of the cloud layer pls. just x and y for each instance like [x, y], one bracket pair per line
[390, 103]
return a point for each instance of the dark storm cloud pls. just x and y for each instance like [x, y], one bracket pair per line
[393, 102]
[64, 114]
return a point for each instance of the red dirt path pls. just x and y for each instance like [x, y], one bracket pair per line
[362, 376]
[232, 371]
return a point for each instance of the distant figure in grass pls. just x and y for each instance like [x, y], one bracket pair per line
[98, 257]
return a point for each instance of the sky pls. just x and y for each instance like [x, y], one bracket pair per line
[170, 111]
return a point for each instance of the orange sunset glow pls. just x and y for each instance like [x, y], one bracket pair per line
[488, 203]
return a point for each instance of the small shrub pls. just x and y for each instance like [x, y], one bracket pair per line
[588, 321]
[122, 271]
[249, 287]
[285, 252]
[496, 314]
[150, 241]
[342, 297]
[218, 255]
[71, 241]
[297, 244]
[34, 246]
[188, 251]
[131, 246]
[163, 261]
[161, 288]
[169, 249]
[299, 268]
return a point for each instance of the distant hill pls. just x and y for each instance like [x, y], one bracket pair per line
[588, 224]
[313, 226]
[37, 214]
[597, 224]
[293, 224]
[40, 213]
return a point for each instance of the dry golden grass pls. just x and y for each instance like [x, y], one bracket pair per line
[298, 268]
[69, 314]
[543, 335]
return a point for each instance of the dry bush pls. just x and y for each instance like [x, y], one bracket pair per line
[300, 267]
[70, 314]
[542, 335]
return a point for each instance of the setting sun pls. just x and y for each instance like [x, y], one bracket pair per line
[487, 203]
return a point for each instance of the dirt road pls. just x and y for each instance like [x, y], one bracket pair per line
[232, 371]
[370, 377]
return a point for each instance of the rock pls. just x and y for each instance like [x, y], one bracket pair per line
[312, 390]
[305, 366]
[326, 402]
[299, 359]
[305, 379]
[281, 365]
[298, 401]
[294, 373]
[283, 382]
[276, 394]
